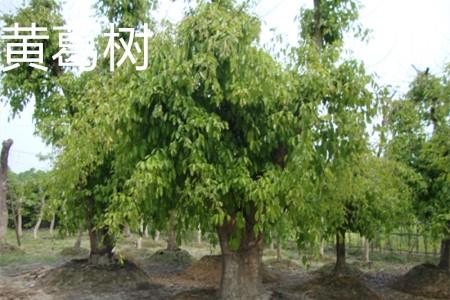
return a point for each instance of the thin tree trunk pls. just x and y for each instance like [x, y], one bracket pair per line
[16, 228]
[6, 145]
[172, 233]
[199, 237]
[157, 234]
[52, 224]
[19, 216]
[79, 237]
[278, 249]
[146, 231]
[39, 220]
[241, 268]
[366, 250]
[322, 248]
[340, 252]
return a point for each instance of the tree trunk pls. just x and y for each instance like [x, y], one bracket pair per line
[322, 248]
[126, 230]
[16, 227]
[52, 224]
[39, 220]
[6, 145]
[318, 36]
[157, 234]
[444, 261]
[278, 249]
[79, 237]
[340, 252]
[199, 237]
[172, 233]
[241, 268]
[101, 242]
[366, 250]
[19, 216]
[146, 231]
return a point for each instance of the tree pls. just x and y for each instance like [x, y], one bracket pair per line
[6, 146]
[419, 126]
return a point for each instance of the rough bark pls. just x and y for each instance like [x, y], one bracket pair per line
[340, 252]
[39, 220]
[6, 145]
[241, 268]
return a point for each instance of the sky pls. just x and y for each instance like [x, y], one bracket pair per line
[403, 33]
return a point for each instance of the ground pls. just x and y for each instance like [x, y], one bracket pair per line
[48, 269]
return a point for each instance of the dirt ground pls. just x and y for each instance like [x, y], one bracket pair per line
[148, 274]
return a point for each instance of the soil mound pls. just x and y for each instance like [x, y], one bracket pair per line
[208, 270]
[178, 257]
[425, 280]
[349, 270]
[81, 275]
[333, 287]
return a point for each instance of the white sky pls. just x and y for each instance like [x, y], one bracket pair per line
[404, 33]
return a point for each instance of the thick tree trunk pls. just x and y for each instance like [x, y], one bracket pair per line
[6, 145]
[241, 268]
[39, 220]
[52, 224]
[101, 243]
[172, 233]
[340, 252]
[126, 230]
[444, 261]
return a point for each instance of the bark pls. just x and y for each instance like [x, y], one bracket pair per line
[146, 231]
[366, 250]
[6, 145]
[241, 268]
[126, 230]
[101, 242]
[322, 248]
[139, 242]
[16, 227]
[199, 236]
[39, 220]
[52, 224]
[318, 35]
[278, 249]
[444, 261]
[157, 234]
[172, 234]
[19, 216]
[79, 237]
[340, 252]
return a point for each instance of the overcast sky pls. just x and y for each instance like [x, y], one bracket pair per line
[403, 33]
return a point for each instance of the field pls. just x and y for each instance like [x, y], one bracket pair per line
[43, 272]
